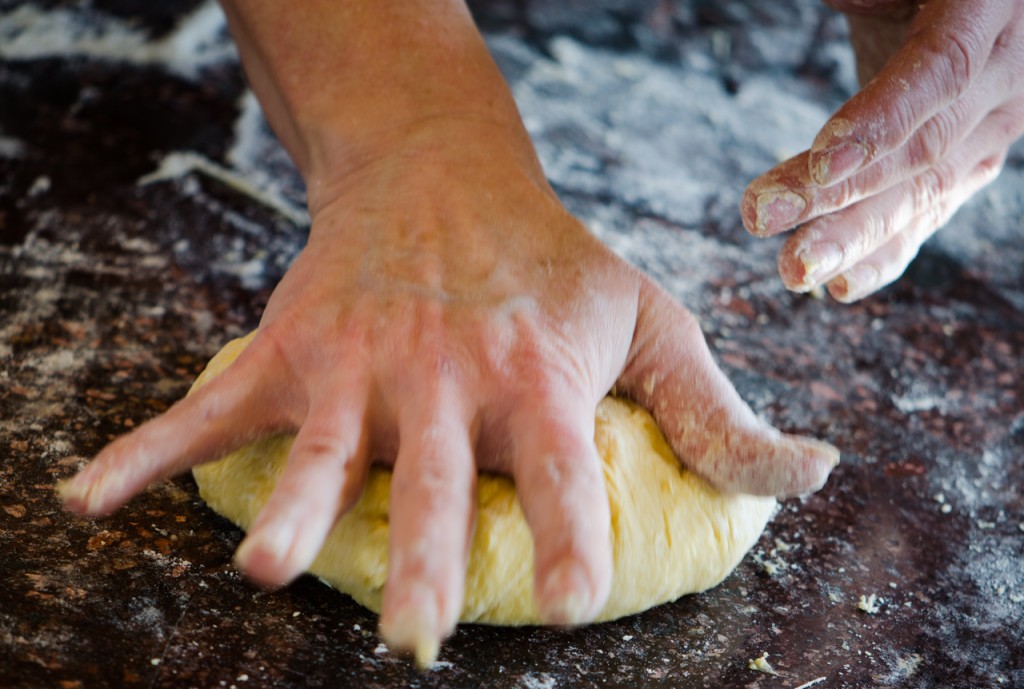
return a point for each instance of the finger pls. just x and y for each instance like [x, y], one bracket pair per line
[778, 200]
[224, 414]
[830, 245]
[889, 261]
[787, 196]
[322, 478]
[948, 46]
[560, 487]
[431, 515]
[713, 432]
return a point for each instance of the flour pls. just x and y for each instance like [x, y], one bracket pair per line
[537, 680]
[178, 164]
[198, 42]
[639, 137]
[11, 148]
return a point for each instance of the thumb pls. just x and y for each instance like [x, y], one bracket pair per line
[713, 432]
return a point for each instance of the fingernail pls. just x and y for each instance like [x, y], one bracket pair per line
[855, 283]
[778, 210]
[266, 548]
[426, 652]
[415, 626]
[83, 493]
[819, 260]
[565, 597]
[827, 451]
[71, 493]
[826, 458]
[836, 164]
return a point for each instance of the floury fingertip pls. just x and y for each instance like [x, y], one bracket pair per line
[565, 597]
[830, 455]
[778, 210]
[78, 494]
[415, 627]
[263, 552]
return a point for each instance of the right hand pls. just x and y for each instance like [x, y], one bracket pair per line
[448, 315]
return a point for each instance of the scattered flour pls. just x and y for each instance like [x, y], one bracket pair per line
[761, 664]
[869, 604]
[199, 41]
[11, 148]
[178, 164]
[537, 680]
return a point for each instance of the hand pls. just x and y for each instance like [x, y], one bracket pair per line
[448, 315]
[930, 129]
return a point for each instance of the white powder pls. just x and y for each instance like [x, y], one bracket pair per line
[199, 41]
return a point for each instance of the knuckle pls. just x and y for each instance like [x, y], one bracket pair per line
[941, 208]
[880, 175]
[273, 340]
[438, 361]
[523, 351]
[848, 192]
[957, 55]
[990, 167]
[931, 187]
[1008, 122]
[905, 112]
[322, 447]
[960, 57]
[550, 365]
[443, 364]
[565, 474]
[431, 485]
[211, 405]
[936, 137]
[876, 229]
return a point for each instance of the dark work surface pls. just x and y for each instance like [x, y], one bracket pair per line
[650, 118]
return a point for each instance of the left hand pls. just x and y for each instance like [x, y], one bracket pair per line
[931, 128]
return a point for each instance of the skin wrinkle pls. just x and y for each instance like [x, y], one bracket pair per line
[922, 224]
[934, 75]
[884, 165]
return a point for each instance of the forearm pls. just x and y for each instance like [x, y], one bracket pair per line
[874, 40]
[340, 80]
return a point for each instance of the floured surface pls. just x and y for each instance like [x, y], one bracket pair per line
[671, 533]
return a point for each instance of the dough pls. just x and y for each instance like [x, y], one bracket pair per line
[672, 533]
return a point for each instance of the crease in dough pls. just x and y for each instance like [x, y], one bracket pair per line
[672, 533]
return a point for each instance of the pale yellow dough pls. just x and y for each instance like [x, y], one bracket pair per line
[672, 533]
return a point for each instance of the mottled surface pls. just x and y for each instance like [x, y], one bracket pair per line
[650, 117]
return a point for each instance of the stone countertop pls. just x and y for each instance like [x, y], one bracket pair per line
[146, 213]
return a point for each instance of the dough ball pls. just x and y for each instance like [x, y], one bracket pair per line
[671, 532]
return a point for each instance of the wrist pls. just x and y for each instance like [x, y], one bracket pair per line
[346, 83]
[437, 145]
